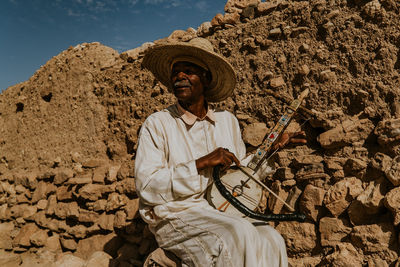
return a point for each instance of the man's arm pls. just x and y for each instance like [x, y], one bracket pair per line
[156, 182]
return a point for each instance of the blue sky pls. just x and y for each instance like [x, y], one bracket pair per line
[33, 31]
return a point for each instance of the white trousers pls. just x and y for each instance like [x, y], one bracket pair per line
[207, 237]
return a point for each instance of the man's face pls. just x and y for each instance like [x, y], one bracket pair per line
[188, 82]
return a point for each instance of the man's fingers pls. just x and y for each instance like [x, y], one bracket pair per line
[298, 140]
[231, 157]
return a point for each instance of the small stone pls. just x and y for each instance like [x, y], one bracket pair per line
[392, 202]
[304, 47]
[299, 237]
[24, 235]
[112, 173]
[106, 221]
[328, 75]
[94, 163]
[393, 174]
[303, 70]
[119, 219]
[332, 231]
[80, 179]
[311, 201]
[98, 259]
[276, 32]
[39, 238]
[132, 208]
[62, 175]
[115, 201]
[218, 20]
[204, 28]
[68, 260]
[42, 204]
[254, 133]
[277, 82]
[68, 244]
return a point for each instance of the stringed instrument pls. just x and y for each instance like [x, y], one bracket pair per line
[238, 190]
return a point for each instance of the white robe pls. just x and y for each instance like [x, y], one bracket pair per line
[171, 192]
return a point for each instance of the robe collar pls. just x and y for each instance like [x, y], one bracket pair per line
[189, 118]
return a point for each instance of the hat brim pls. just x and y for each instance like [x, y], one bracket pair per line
[158, 60]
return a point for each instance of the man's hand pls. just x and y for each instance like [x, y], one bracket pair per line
[290, 138]
[220, 156]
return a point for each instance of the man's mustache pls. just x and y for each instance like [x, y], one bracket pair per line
[183, 83]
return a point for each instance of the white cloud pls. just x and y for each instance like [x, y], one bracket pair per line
[201, 5]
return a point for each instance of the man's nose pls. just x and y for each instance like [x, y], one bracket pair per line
[181, 75]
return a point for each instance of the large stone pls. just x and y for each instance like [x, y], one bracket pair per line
[87, 216]
[119, 219]
[106, 221]
[27, 180]
[388, 131]
[53, 243]
[51, 205]
[108, 243]
[218, 20]
[392, 202]
[346, 133]
[264, 8]
[254, 133]
[42, 190]
[79, 231]
[204, 29]
[112, 173]
[82, 178]
[374, 238]
[8, 259]
[6, 229]
[311, 201]
[62, 175]
[93, 191]
[64, 193]
[231, 18]
[340, 195]
[344, 255]
[368, 204]
[24, 236]
[99, 174]
[115, 201]
[94, 163]
[332, 231]
[299, 237]
[98, 259]
[275, 205]
[126, 186]
[64, 210]
[381, 162]
[132, 208]
[277, 82]
[68, 260]
[23, 211]
[39, 238]
[68, 244]
[393, 173]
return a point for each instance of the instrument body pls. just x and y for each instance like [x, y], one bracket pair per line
[251, 197]
[245, 201]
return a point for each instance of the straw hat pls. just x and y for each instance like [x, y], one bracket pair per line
[160, 58]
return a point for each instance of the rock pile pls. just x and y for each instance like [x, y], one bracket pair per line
[68, 136]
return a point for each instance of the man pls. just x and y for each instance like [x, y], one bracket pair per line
[179, 146]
